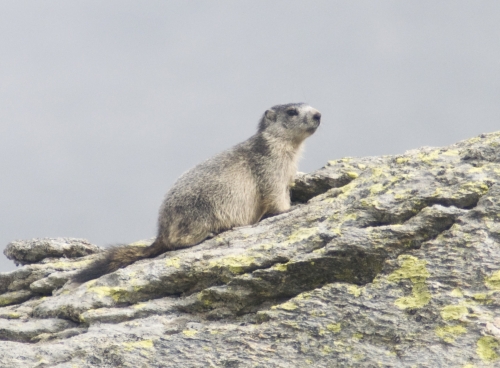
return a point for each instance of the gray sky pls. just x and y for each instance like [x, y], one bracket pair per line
[105, 103]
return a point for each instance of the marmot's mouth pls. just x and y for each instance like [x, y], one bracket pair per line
[315, 125]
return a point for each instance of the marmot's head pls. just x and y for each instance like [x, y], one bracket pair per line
[293, 122]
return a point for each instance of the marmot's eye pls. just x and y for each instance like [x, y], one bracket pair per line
[292, 112]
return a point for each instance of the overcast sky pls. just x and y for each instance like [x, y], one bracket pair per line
[103, 104]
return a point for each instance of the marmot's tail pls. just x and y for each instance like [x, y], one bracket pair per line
[118, 257]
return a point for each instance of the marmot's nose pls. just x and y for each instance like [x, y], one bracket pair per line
[317, 116]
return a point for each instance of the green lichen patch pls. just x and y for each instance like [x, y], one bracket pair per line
[334, 327]
[483, 298]
[451, 312]
[142, 344]
[14, 297]
[429, 157]
[413, 269]
[189, 333]
[327, 349]
[450, 333]
[420, 297]
[235, 264]
[457, 293]
[11, 315]
[377, 188]
[354, 290]
[118, 294]
[493, 282]
[301, 234]
[173, 262]
[487, 348]
[479, 188]
[282, 267]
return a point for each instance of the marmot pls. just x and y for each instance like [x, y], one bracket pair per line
[234, 188]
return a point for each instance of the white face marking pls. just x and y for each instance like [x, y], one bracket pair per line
[308, 109]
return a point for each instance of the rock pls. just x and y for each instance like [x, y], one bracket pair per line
[64, 334]
[335, 174]
[47, 284]
[15, 297]
[26, 330]
[33, 251]
[54, 269]
[383, 261]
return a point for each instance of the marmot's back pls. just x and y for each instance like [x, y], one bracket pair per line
[214, 196]
[234, 188]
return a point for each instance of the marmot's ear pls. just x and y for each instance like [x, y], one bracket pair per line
[271, 115]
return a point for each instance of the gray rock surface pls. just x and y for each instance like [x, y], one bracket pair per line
[389, 261]
[34, 250]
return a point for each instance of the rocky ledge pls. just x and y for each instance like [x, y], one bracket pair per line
[389, 261]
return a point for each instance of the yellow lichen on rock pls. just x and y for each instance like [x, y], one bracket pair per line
[451, 312]
[487, 348]
[478, 187]
[419, 298]
[235, 264]
[327, 350]
[189, 333]
[450, 333]
[301, 234]
[457, 293]
[118, 294]
[354, 290]
[376, 188]
[429, 157]
[280, 267]
[173, 262]
[334, 327]
[413, 269]
[483, 298]
[142, 344]
[493, 282]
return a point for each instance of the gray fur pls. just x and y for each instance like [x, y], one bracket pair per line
[234, 188]
[238, 186]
